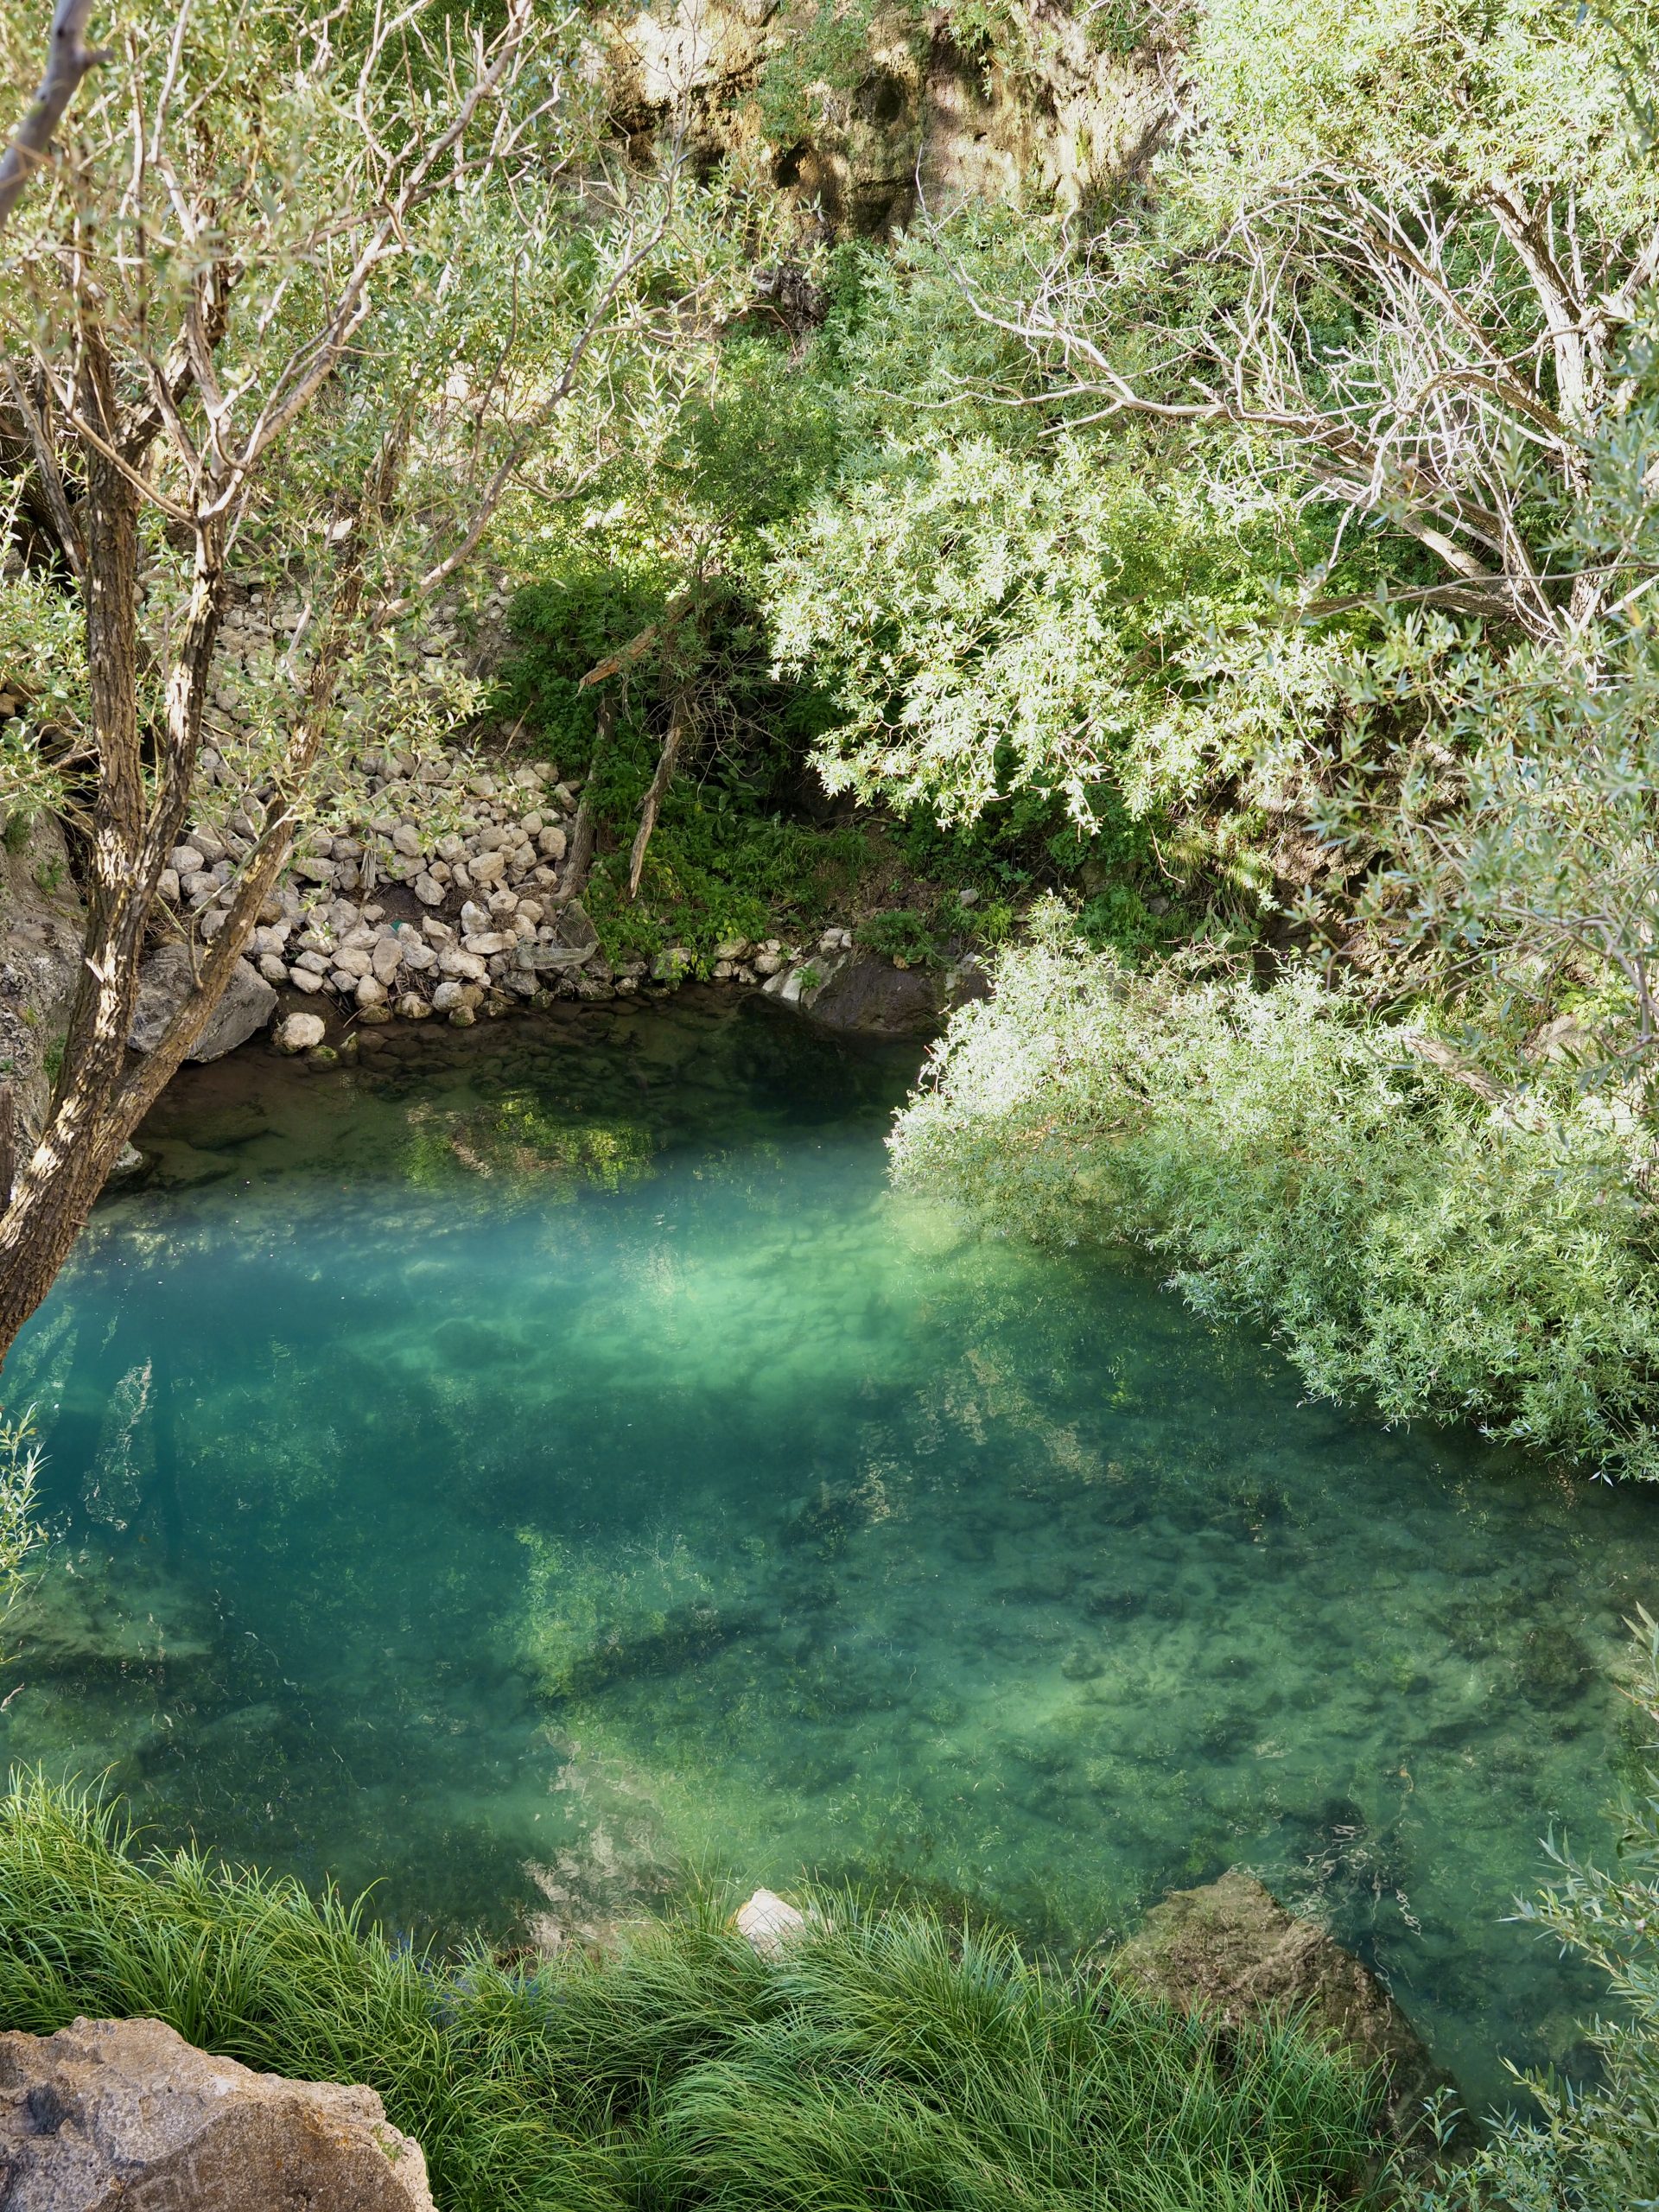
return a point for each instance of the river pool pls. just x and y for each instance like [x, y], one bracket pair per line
[544, 1465]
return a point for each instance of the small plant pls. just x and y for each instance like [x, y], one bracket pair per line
[900, 935]
[50, 874]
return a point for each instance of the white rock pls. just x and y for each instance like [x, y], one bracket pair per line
[413, 1009]
[767, 1920]
[388, 955]
[371, 991]
[447, 997]
[407, 839]
[486, 942]
[488, 867]
[416, 954]
[474, 918]
[452, 961]
[552, 841]
[187, 860]
[318, 963]
[168, 884]
[428, 889]
[354, 961]
[273, 968]
[303, 979]
[300, 1032]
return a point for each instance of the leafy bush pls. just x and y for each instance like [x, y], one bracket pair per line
[1297, 1161]
[1595, 2149]
[883, 2061]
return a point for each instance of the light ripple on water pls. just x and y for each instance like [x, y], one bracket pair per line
[548, 1464]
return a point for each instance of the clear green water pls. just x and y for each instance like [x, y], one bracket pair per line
[548, 1460]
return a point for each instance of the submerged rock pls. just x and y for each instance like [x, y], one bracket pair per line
[1232, 1949]
[126, 2112]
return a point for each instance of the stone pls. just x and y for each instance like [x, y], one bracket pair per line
[488, 867]
[126, 2112]
[412, 1008]
[407, 839]
[767, 1922]
[370, 992]
[165, 982]
[187, 860]
[168, 886]
[447, 997]
[452, 961]
[273, 968]
[1231, 1950]
[871, 998]
[428, 889]
[304, 979]
[317, 962]
[416, 953]
[552, 841]
[388, 955]
[354, 960]
[474, 918]
[485, 943]
[301, 1033]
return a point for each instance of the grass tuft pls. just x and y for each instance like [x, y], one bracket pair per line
[885, 2060]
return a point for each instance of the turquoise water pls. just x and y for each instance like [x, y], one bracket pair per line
[545, 1464]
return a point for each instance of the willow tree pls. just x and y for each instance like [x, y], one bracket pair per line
[295, 295]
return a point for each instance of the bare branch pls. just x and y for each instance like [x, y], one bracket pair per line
[68, 59]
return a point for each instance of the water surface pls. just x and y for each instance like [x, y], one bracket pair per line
[545, 1464]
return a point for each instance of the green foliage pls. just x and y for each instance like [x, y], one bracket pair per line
[901, 934]
[1595, 2148]
[884, 2059]
[1297, 1161]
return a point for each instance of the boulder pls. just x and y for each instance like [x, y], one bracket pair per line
[164, 981]
[1230, 1948]
[301, 1033]
[872, 998]
[126, 2112]
[767, 1920]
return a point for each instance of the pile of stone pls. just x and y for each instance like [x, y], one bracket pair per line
[443, 891]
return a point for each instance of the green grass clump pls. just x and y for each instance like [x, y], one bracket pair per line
[885, 2060]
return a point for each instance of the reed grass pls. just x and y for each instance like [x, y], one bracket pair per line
[884, 2061]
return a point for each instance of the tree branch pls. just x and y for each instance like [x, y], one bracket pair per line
[68, 59]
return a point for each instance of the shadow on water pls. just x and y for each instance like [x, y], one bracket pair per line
[547, 1461]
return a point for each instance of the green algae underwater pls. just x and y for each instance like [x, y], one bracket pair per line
[544, 1467]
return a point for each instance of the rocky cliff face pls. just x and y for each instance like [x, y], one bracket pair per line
[907, 115]
[40, 924]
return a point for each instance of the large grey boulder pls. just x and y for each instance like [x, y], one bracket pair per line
[125, 2113]
[164, 982]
